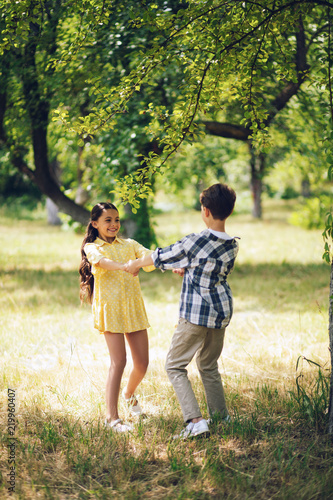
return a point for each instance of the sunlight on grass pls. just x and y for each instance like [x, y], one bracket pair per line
[57, 363]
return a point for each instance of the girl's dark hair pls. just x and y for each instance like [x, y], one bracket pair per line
[87, 278]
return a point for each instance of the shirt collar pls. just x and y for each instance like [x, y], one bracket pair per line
[209, 232]
[223, 235]
[98, 241]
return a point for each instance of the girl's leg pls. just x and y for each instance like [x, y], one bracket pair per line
[116, 346]
[138, 342]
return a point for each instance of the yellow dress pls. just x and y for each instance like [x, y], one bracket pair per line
[118, 305]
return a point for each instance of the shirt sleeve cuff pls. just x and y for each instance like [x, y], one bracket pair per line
[156, 259]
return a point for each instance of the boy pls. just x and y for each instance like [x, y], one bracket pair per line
[205, 260]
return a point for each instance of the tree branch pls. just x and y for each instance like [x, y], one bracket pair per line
[302, 68]
[227, 130]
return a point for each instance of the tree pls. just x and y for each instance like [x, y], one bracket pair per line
[28, 85]
[225, 50]
[43, 69]
[252, 55]
[275, 98]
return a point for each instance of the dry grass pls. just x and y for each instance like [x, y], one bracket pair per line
[276, 446]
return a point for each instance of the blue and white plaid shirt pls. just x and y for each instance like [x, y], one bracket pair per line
[206, 298]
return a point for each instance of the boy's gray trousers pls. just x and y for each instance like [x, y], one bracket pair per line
[188, 340]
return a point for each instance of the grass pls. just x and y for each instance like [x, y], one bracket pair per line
[276, 445]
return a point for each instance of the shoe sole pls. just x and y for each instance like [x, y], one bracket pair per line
[136, 413]
[205, 434]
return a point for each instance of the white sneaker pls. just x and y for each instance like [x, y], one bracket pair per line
[118, 426]
[192, 430]
[225, 420]
[134, 408]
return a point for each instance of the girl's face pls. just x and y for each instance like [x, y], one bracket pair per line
[107, 225]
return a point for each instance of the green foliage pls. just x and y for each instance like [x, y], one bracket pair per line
[311, 212]
[254, 42]
[203, 163]
[144, 232]
[328, 231]
[298, 150]
[328, 238]
[312, 398]
[128, 85]
[24, 207]
[15, 184]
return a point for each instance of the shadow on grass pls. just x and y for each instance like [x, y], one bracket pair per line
[60, 455]
[37, 287]
[266, 286]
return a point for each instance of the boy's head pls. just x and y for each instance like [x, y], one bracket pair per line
[219, 199]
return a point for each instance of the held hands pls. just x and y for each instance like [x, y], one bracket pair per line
[132, 267]
[179, 271]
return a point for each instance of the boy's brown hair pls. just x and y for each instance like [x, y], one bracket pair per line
[219, 199]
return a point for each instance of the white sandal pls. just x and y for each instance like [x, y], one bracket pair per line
[135, 408]
[117, 425]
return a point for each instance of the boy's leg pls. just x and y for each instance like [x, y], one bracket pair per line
[186, 341]
[207, 365]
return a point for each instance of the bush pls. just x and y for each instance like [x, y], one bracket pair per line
[311, 213]
[25, 207]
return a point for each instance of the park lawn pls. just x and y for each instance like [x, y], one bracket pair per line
[276, 445]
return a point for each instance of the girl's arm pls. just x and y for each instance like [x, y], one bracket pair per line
[96, 257]
[110, 265]
[141, 251]
[134, 266]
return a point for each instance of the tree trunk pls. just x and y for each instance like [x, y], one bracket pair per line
[256, 188]
[82, 195]
[38, 108]
[330, 331]
[305, 187]
[138, 226]
[46, 182]
[130, 224]
[37, 105]
[52, 213]
[257, 171]
[48, 186]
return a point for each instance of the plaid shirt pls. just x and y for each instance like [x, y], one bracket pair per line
[206, 297]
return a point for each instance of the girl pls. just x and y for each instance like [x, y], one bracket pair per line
[117, 305]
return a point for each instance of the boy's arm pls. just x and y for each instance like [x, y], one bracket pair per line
[171, 257]
[174, 256]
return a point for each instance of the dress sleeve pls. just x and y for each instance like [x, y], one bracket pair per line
[141, 251]
[93, 253]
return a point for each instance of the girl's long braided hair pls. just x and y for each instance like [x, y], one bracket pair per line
[87, 278]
